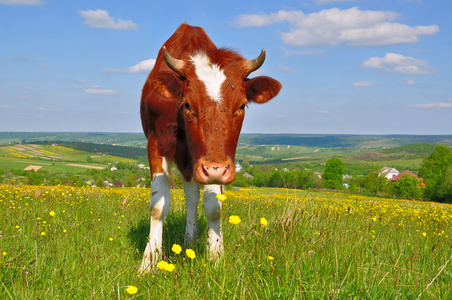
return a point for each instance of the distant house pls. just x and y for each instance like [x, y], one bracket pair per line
[114, 169]
[396, 178]
[388, 172]
[34, 168]
[238, 167]
[108, 184]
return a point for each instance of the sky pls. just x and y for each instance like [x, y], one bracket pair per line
[346, 66]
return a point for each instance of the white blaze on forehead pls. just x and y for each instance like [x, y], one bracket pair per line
[210, 74]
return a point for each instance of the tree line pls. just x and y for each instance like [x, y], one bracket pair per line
[435, 170]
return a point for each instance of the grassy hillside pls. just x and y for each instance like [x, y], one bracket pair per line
[86, 243]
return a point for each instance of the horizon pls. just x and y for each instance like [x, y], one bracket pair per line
[242, 133]
[348, 67]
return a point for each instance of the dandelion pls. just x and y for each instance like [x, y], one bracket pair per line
[64, 230]
[190, 253]
[162, 265]
[131, 289]
[234, 220]
[43, 233]
[221, 197]
[176, 249]
[111, 239]
[264, 222]
[4, 253]
[270, 257]
[170, 267]
[424, 233]
[374, 218]
[52, 213]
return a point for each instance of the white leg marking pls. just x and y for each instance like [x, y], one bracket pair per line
[192, 195]
[159, 206]
[212, 209]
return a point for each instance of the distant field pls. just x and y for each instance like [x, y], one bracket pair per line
[53, 158]
[359, 153]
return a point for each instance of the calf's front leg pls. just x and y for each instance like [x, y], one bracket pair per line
[212, 209]
[191, 190]
[159, 207]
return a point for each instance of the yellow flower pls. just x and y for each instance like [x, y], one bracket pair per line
[64, 230]
[111, 239]
[221, 197]
[162, 265]
[132, 289]
[270, 257]
[170, 267]
[43, 233]
[234, 220]
[424, 233]
[264, 222]
[374, 218]
[190, 253]
[52, 213]
[4, 253]
[176, 248]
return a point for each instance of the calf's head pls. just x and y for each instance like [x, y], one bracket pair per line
[213, 89]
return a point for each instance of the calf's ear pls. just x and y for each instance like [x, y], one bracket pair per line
[166, 84]
[261, 89]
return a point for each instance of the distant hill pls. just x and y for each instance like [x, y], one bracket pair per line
[310, 140]
[122, 139]
[344, 141]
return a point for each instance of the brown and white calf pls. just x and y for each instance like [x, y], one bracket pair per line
[192, 109]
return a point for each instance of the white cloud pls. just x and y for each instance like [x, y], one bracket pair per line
[5, 106]
[363, 83]
[144, 66]
[285, 68]
[101, 19]
[321, 111]
[48, 109]
[352, 27]
[409, 82]
[433, 105]
[398, 63]
[21, 2]
[323, 2]
[96, 91]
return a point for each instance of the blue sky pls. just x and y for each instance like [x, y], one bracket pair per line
[347, 66]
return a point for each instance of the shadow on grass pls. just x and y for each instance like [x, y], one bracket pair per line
[173, 232]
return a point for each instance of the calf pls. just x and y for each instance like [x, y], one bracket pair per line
[192, 109]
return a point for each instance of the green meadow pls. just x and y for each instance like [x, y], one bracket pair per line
[66, 242]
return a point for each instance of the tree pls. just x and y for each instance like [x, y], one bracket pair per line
[407, 187]
[375, 184]
[333, 175]
[434, 171]
[444, 186]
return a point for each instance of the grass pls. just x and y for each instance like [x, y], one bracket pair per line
[324, 246]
